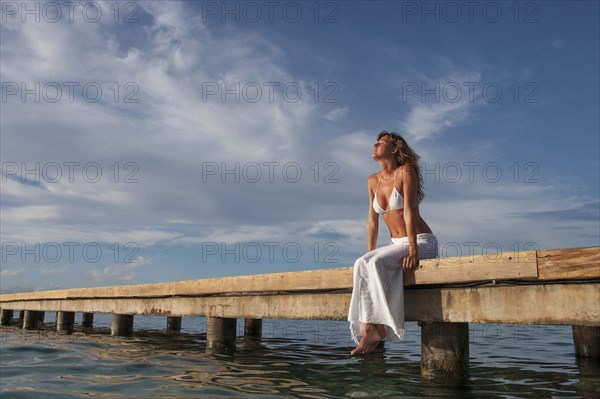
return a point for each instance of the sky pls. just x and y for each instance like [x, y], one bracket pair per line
[155, 141]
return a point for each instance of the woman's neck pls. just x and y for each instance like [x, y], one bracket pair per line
[388, 167]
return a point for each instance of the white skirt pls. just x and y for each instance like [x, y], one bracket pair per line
[378, 291]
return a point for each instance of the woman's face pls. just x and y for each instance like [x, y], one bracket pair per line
[382, 149]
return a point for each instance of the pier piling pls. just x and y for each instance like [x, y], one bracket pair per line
[253, 328]
[6, 317]
[220, 335]
[173, 324]
[31, 319]
[87, 320]
[122, 325]
[587, 341]
[445, 351]
[65, 322]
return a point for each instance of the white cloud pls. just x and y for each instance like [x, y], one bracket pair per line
[336, 114]
[62, 233]
[167, 134]
[10, 272]
[118, 272]
[353, 151]
[450, 102]
[49, 271]
[426, 121]
[173, 129]
[30, 214]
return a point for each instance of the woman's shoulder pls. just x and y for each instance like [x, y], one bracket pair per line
[406, 170]
[375, 175]
[372, 180]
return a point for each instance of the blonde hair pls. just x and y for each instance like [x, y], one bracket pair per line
[406, 156]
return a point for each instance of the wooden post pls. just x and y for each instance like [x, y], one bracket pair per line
[87, 320]
[173, 324]
[253, 328]
[122, 325]
[31, 319]
[6, 317]
[445, 351]
[220, 335]
[65, 322]
[587, 341]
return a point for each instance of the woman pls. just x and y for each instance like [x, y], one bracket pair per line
[377, 305]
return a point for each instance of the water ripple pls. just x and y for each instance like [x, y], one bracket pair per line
[153, 364]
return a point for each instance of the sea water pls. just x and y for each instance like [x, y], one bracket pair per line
[294, 359]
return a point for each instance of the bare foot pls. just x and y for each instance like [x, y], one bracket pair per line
[374, 334]
[381, 330]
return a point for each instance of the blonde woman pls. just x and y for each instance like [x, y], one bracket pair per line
[377, 305]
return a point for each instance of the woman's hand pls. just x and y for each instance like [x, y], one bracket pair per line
[411, 260]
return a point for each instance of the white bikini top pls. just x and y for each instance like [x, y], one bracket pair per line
[395, 202]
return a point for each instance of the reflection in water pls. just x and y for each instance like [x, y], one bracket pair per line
[155, 364]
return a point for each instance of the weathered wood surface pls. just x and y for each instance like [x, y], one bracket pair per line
[312, 280]
[324, 294]
[521, 304]
[464, 269]
[583, 262]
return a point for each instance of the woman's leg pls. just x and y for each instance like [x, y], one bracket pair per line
[378, 296]
[377, 299]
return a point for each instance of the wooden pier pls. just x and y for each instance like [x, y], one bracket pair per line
[553, 286]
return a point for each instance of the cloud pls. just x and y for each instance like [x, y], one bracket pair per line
[31, 214]
[336, 113]
[118, 272]
[439, 104]
[175, 128]
[167, 134]
[589, 212]
[62, 233]
[557, 44]
[48, 271]
[10, 272]
[353, 152]
[426, 121]
[339, 230]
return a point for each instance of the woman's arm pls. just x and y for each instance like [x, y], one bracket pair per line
[373, 218]
[410, 182]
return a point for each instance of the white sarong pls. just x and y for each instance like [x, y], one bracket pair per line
[378, 291]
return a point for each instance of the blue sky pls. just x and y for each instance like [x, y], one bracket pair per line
[159, 141]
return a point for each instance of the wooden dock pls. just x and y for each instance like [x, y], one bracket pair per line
[553, 286]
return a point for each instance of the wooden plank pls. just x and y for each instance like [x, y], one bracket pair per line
[570, 304]
[575, 304]
[569, 263]
[327, 279]
[500, 266]
[431, 271]
[512, 265]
